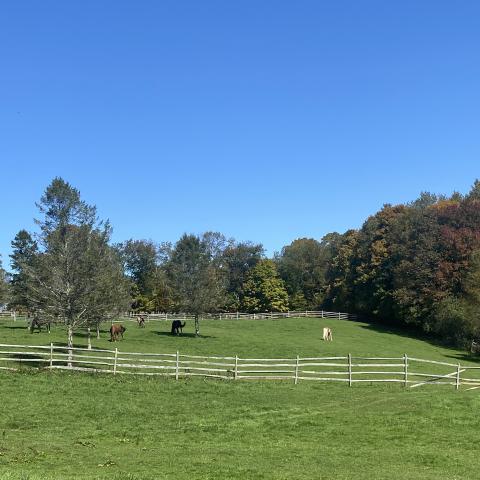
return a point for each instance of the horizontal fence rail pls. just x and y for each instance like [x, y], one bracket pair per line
[12, 315]
[408, 371]
[244, 316]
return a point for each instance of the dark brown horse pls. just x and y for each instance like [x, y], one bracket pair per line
[177, 327]
[37, 323]
[116, 330]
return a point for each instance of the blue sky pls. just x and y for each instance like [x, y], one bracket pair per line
[265, 120]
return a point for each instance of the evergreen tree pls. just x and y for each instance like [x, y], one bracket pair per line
[24, 252]
[76, 277]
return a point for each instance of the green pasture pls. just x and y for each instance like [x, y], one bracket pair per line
[58, 425]
[246, 338]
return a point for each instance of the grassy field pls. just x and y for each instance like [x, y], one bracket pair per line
[247, 338]
[56, 425]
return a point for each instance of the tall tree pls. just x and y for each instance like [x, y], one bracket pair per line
[198, 285]
[264, 290]
[76, 277]
[238, 259]
[140, 261]
[302, 266]
[4, 288]
[24, 251]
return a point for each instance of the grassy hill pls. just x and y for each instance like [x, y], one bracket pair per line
[263, 338]
[72, 425]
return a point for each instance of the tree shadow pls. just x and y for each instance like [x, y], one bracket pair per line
[16, 327]
[407, 332]
[465, 356]
[93, 334]
[184, 335]
[18, 357]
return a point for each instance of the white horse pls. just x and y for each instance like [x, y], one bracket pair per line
[327, 334]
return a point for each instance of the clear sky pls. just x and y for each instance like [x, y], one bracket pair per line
[265, 120]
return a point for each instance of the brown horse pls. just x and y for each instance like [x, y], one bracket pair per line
[116, 331]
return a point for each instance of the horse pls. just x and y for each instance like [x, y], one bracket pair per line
[177, 327]
[115, 331]
[327, 334]
[141, 322]
[37, 323]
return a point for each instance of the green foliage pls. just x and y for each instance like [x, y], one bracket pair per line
[302, 265]
[4, 286]
[76, 277]
[413, 264]
[264, 290]
[140, 263]
[142, 303]
[24, 251]
[197, 282]
[237, 260]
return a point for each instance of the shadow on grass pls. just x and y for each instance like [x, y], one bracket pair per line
[465, 356]
[182, 335]
[93, 334]
[35, 361]
[17, 327]
[409, 332]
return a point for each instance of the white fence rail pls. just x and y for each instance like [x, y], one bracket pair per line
[243, 316]
[12, 315]
[408, 371]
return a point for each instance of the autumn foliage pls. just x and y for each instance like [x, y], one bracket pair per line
[416, 264]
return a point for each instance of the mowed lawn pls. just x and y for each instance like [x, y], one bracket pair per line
[56, 425]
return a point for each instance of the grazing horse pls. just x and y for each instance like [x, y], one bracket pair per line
[116, 331]
[327, 334]
[177, 327]
[141, 321]
[37, 323]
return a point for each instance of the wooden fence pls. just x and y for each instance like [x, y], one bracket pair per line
[131, 316]
[405, 370]
[244, 316]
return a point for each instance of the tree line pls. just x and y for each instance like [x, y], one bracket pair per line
[414, 264]
[411, 264]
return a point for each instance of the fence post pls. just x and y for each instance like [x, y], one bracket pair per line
[322, 313]
[405, 375]
[237, 315]
[14, 316]
[51, 354]
[235, 373]
[339, 315]
[115, 362]
[349, 369]
[177, 365]
[254, 316]
[457, 382]
[296, 370]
